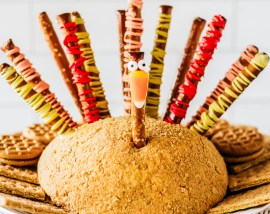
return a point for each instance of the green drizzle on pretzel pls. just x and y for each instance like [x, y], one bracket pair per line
[230, 94]
[36, 100]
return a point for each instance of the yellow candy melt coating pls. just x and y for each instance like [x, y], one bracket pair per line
[95, 83]
[156, 69]
[35, 101]
[208, 120]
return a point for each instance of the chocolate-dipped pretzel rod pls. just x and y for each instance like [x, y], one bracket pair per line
[59, 56]
[24, 68]
[90, 65]
[157, 64]
[132, 39]
[85, 73]
[80, 76]
[203, 54]
[39, 102]
[238, 66]
[138, 79]
[244, 60]
[121, 17]
[230, 94]
[189, 51]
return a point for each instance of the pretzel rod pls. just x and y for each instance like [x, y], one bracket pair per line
[24, 68]
[132, 39]
[157, 64]
[244, 60]
[189, 51]
[121, 17]
[204, 52]
[57, 121]
[230, 94]
[59, 56]
[237, 67]
[80, 75]
[90, 66]
[138, 79]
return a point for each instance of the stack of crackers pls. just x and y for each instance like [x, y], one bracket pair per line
[19, 185]
[247, 155]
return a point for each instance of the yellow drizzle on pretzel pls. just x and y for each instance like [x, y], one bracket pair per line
[231, 93]
[156, 67]
[36, 101]
[89, 65]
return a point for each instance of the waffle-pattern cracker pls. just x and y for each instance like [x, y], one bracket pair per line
[236, 168]
[243, 159]
[40, 132]
[237, 141]
[20, 163]
[18, 147]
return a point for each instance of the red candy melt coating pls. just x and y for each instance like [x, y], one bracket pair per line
[80, 76]
[203, 54]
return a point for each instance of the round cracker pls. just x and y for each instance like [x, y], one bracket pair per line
[243, 159]
[18, 147]
[30, 162]
[238, 141]
[40, 132]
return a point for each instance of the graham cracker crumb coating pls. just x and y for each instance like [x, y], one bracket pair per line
[98, 170]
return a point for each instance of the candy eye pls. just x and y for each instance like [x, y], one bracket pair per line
[132, 66]
[142, 65]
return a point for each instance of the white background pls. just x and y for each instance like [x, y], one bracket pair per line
[247, 23]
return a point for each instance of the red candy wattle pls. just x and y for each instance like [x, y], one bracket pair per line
[80, 76]
[203, 54]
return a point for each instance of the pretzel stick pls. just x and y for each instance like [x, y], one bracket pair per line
[132, 39]
[80, 76]
[157, 63]
[121, 17]
[230, 94]
[238, 66]
[138, 86]
[57, 121]
[59, 56]
[189, 51]
[203, 54]
[24, 68]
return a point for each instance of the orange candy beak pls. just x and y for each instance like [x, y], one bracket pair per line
[138, 86]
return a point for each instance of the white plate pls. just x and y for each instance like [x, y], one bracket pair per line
[8, 211]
